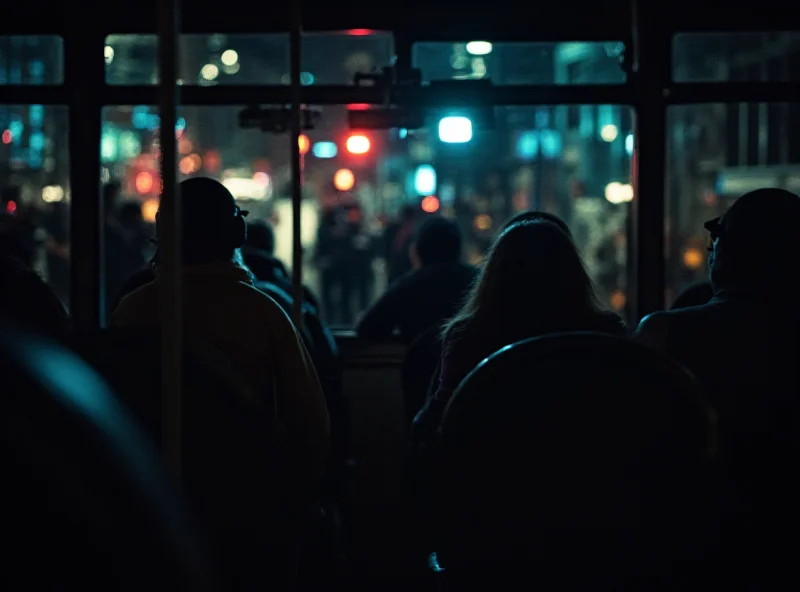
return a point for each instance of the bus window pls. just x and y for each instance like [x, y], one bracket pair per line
[206, 60]
[521, 63]
[573, 161]
[35, 189]
[716, 153]
[31, 59]
[736, 57]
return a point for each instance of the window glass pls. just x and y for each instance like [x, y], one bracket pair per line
[573, 161]
[34, 192]
[31, 59]
[521, 63]
[736, 57]
[716, 153]
[327, 58]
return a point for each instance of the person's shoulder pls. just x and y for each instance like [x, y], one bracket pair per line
[610, 322]
[261, 303]
[654, 329]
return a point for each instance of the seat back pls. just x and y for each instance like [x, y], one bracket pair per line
[572, 449]
[86, 502]
[419, 366]
[230, 437]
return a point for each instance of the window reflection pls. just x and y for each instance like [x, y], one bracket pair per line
[31, 59]
[34, 192]
[521, 63]
[736, 57]
[716, 153]
[573, 161]
[206, 60]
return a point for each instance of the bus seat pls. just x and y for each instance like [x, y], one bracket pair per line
[571, 450]
[86, 501]
[231, 445]
[419, 366]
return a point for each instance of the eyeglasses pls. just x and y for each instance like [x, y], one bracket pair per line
[715, 230]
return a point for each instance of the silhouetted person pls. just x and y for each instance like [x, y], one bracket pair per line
[742, 345]
[221, 306]
[123, 242]
[536, 215]
[532, 283]
[695, 294]
[397, 241]
[26, 299]
[17, 233]
[258, 254]
[426, 296]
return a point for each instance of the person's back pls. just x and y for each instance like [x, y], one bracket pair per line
[222, 306]
[695, 294]
[26, 299]
[427, 296]
[743, 347]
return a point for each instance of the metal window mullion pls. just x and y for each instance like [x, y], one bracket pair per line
[652, 50]
[296, 96]
[170, 237]
[83, 78]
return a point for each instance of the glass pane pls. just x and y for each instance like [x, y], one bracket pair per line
[573, 161]
[31, 59]
[328, 58]
[522, 63]
[736, 57]
[34, 169]
[717, 152]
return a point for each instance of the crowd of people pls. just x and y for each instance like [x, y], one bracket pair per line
[736, 333]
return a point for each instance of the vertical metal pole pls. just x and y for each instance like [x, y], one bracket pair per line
[84, 74]
[297, 169]
[170, 235]
[652, 71]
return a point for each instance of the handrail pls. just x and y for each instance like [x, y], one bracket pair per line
[169, 235]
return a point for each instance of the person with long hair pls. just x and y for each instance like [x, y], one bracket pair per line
[532, 283]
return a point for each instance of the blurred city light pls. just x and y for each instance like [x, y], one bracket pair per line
[609, 133]
[357, 144]
[617, 193]
[150, 209]
[425, 180]
[479, 48]
[430, 204]
[324, 150]
[344, 180]
[455, 130]
[144, 182]
[229, 57]
[304, 143]
[209, 72]
[629, 144]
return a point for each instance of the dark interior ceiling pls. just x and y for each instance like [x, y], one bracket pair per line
[493, 20]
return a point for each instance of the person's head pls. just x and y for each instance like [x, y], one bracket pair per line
[261, 236]
[407, 214]
[28, 300]
[532, 273]
[694, 295]
[753, 245]
[130, 215]
[438, 240]
[213, 226]
[534, 215]
[111, 196]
